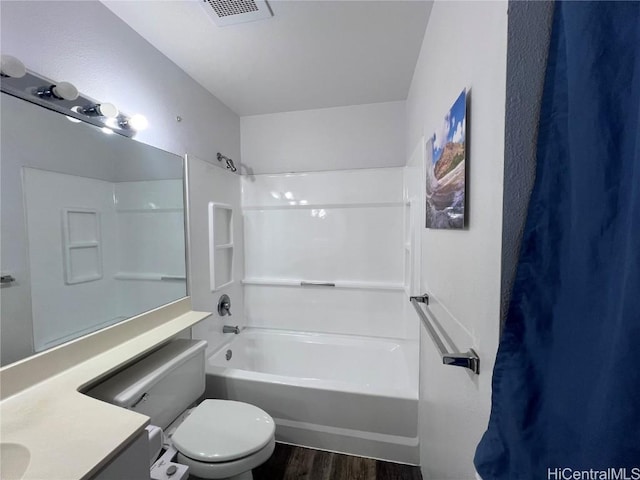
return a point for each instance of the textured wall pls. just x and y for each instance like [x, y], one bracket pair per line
[340, 138]
[528, 45]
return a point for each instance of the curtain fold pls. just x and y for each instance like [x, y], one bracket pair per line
[566, 383]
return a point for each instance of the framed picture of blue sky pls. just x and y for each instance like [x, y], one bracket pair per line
[445, 182]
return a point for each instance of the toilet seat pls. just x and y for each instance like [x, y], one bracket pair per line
[221, 431]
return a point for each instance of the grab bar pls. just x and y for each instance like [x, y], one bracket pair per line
[304, 283]
[468, 360]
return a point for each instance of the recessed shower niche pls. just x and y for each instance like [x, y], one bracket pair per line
[220, 245]
[82, 245]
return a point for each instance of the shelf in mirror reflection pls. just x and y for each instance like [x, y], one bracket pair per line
[289, 282]
[308, 206]
[160, 277]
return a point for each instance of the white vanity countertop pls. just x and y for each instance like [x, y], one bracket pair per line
[67, 434]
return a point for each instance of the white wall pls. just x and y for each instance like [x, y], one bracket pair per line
[86, 44]
[343, 227]
[340, 138]
[464, 46]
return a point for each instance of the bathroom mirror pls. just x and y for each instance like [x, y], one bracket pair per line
[92, 228]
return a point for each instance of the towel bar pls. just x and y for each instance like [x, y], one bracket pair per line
[468, 360]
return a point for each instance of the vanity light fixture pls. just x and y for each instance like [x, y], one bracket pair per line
[136, 122]
[107, 110]
[139, 122]
[12, 67]
[60, 91]
[64, 98]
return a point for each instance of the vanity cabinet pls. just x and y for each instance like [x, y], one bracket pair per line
[132, 463]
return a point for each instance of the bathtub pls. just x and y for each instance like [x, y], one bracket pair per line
[349, 394]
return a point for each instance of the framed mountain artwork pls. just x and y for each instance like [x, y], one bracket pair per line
[445, 172]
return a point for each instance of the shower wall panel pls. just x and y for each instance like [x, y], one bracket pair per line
[343, 229]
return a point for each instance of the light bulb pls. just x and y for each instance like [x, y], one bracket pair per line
[61, 91]
[107, 110]
[112, 123]
[12, 67]
[138, 122]
[65, 91]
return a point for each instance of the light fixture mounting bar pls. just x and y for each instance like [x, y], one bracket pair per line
[27, 88]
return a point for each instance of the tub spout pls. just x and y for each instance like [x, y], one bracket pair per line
[230, 329]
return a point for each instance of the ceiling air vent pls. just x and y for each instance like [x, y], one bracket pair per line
[231, 12]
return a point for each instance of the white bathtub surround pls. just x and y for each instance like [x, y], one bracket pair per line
[351, 394]
[348, 311]
[208, 183]
[343, 243]
[368, 186]
[342, 227]
[336, 363]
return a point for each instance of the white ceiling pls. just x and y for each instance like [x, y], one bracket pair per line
[310, 54]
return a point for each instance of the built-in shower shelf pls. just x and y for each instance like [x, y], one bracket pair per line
[220, 245]
[288, 282]
[150, 210]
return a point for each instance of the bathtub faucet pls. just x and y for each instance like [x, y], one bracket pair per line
[224, 306]
[230, 329]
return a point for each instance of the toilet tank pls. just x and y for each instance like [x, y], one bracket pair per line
[162, 385]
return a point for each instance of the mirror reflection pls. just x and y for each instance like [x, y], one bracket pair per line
[92, 228]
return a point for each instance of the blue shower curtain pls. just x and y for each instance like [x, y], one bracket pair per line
[566, 383]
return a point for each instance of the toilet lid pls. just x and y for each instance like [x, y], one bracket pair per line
[223, 430]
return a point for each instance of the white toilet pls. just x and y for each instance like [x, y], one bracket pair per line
[218, 439]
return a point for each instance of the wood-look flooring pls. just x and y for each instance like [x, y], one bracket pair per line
[290, 463]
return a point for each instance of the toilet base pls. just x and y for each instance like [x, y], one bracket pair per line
[243, 476]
